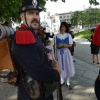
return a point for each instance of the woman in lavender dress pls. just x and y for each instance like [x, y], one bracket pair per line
[63, 41]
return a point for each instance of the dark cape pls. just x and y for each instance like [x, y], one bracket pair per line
[97, 86]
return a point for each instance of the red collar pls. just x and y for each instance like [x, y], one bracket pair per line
[23, 26]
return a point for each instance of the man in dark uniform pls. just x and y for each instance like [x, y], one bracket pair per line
[28, 52]
[71, 32]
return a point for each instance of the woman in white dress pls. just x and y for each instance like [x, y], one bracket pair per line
[63, 40]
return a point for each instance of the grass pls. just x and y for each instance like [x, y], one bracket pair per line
[83, 34]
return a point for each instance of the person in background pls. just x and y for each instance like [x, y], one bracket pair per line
[63, 42]
[96, 37]
[71, 32]
[94, 49]
[47, 35]
[50, 52]
[29, 54]
[96, 41]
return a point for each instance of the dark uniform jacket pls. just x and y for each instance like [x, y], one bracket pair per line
[47, 36]
[73, 45]
[27, 54]
[97, 86]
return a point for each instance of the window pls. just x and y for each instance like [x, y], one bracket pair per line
[60, 17]
[67, 16]
[53, 21]
[48, 13]
[64, 17]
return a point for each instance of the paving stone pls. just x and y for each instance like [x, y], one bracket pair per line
[79, 97]
[79, 72]
[92, 95]
[82, 90]
[87, 65]
[79, 67]
[90, 74]
[83, 81]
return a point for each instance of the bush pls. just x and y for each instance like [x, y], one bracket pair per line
[83, 34]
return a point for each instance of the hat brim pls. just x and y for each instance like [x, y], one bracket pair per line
[30, 7]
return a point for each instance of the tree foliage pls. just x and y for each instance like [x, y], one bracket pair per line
[89, 17]
[76, 18]
[9, 9]
[95, 2]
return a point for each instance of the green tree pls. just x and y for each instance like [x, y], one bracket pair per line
[98, 17]
[76, 18]
[89, 17]
[9, 9]
[92, 16]
[95, 2]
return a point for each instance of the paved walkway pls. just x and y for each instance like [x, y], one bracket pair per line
[85, 76]
[83, 81]
[83, 50]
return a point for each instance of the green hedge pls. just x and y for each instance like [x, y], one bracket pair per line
[83, 34]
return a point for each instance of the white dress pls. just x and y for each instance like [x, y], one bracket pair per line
[64, 55]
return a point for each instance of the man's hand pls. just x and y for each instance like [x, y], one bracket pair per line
[56, 65]
[48, 54]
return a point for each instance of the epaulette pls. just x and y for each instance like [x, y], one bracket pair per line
[24, 37]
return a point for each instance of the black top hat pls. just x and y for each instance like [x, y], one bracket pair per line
[29, 5]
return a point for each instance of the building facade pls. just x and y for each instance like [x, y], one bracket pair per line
[53, 21]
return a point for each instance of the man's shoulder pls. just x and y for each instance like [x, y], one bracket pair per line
[24, 37]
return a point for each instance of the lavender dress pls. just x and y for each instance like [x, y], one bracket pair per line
[64, 55]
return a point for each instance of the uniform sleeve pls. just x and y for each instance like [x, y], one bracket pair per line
[51, 36]
[28, 58]
[70, 39]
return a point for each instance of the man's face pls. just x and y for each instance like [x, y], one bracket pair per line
[32, 18]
